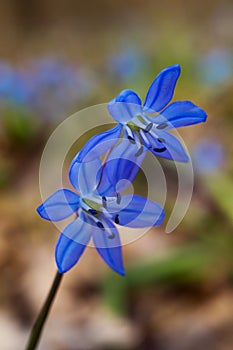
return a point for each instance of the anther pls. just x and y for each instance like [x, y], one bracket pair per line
[118, 195]
[159, 150]
[162, 126]
[139, 152]
[111, 236]
[93, 211]
[104, 202]
[117, 219]
[100, 225]
[161, 140]
[148, 127]
[131, 139]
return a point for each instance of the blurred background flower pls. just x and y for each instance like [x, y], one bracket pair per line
[125, 63]
[216, 66]
[57, 86]
[208, 156]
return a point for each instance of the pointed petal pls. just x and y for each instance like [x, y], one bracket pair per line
[161, 90]
[125, 106]
[136, 211]
[71, 244]
[121, 168]
[99, 144]
[60, 205]
[169, 148]
[182, 113]
[85, 176]
[108, 245]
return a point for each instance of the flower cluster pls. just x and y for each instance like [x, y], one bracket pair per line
[98, 204]
[48, 86]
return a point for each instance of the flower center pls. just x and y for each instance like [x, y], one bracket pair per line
[138, 130]
[133, 126]
[91, 207]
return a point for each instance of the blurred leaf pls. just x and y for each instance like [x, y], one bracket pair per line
[188, 265]
[221, 188]
[19, 125]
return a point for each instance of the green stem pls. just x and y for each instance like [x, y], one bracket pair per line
[40, 321]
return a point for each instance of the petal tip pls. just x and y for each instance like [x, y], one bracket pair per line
[119, 270]
[42, 212]
[175, 67]
[160, 219]
[205, 116]
[38, 209]
[122, 272]
[60, 269]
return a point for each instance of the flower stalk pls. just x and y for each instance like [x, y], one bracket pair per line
[42, 317]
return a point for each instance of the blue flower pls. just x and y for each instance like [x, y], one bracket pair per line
[97, 208]
[137, 123]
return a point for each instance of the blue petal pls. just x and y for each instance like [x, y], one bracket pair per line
[161, 90]
[125, 106]
[99, 144]
[121, 168]
[136, 211]
[108, 245]
[85, 176]
[170, 148]
[128, 96]
[71, 244]
[60, 205]
[182, 113]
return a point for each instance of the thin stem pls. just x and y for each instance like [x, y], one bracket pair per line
[40, 321]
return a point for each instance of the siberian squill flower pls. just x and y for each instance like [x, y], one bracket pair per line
[146, 125]
[97, 206]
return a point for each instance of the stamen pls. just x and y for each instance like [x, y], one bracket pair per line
[144, 138]
[130, 134]
[162, 126]
[93, 211]
[160, 150]
[161, 140]
[131, 139]
[100, 225]
[104, 202]
[139, 152]
[117, 219]
[148, 127]
[118, 195]
[141, 119]
[111, 236]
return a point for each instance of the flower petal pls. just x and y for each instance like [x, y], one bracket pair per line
[128, 96]
[85, 176]
[71, 244]
[108, 245]
[60, 205]
[168, 147]
[99, 144]
[136, 211]
[125, 106]
[182, 113]
[161, 90]
[121, 168]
